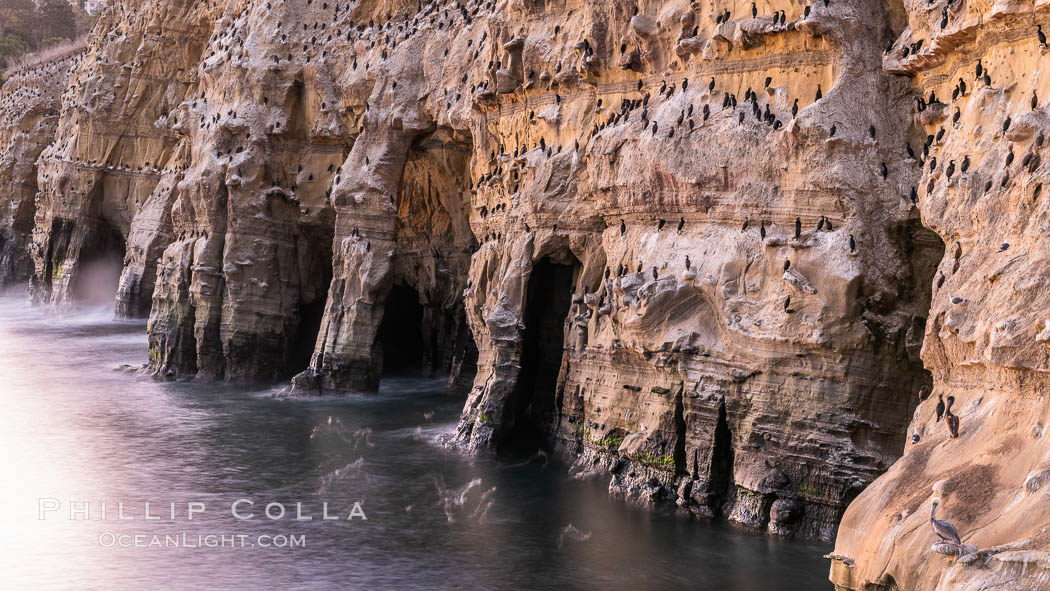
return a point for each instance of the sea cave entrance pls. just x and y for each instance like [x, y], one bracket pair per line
[535, 400]
[98, 271]
[316, 276]
[400, 335]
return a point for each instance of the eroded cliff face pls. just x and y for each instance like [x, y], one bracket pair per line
[29, 112]
[982, 78]
[679, 246]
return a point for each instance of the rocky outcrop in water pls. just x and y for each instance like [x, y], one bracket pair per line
[690, 249]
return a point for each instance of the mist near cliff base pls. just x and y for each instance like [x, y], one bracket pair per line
[97, 281]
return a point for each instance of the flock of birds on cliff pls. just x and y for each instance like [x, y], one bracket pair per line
[229, 43]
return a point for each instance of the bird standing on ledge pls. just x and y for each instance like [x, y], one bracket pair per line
[951, 419]
[943, 529]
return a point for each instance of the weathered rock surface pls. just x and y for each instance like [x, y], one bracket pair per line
[682, 246]
[29, 108]
[981, 189]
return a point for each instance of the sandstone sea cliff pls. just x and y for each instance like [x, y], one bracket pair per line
[726, 255]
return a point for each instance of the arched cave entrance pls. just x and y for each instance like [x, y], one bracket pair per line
[534, 404]
[400, 335]
[98, 270]
[315, 271]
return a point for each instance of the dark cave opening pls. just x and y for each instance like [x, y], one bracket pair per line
[534, 401]
[400, 334]
[310, 316]
[98, 271]
[721, 460]
[316, 274]
[461, 353]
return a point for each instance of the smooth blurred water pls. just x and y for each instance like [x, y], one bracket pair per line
[74, 429]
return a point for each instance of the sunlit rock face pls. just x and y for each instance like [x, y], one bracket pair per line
[30, 102]
[678, 246]
[987, 336]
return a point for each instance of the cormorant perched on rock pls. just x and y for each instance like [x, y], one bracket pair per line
[798, 227]
[660, 225]
[762, 230]
[711, 86]
[805, 12]
[940, 407]
[769, 79]
[1010, 158]
[820, 93]
[687, 262]
[951, 169]
[943, 529]
[820, 224]
[623, 228]
[979, 70]
[1039, 33]
[832, 132]
[787, 264]
[951, 419]
[852, 244]
[1004, 247]
[965, 163]
[883, 170]
[794, 108]
[681, 224]
[787, 302]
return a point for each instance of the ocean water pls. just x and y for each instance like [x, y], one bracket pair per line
[76, 432]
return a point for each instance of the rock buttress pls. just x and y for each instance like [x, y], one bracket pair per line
[980, 138]
[29, 111]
